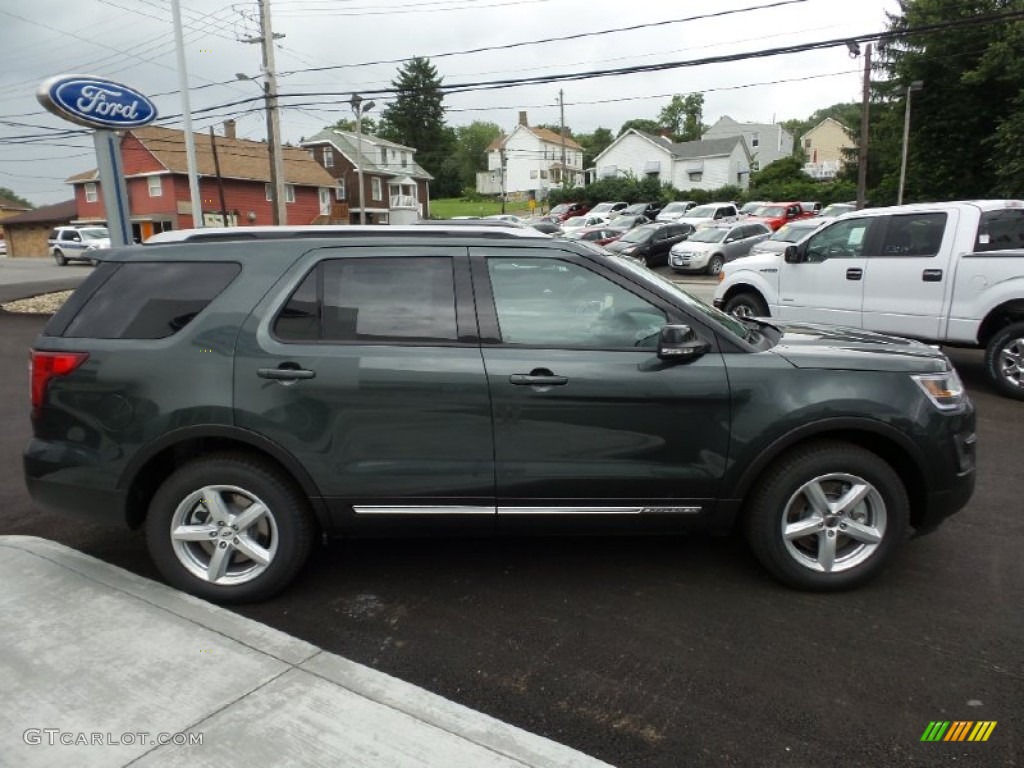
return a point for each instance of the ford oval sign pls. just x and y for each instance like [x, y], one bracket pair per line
[96, 102]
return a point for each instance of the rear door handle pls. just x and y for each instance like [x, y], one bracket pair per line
[932, 276]
[285, 372]
[854, 273]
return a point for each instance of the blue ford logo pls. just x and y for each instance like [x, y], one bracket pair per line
[96, 102]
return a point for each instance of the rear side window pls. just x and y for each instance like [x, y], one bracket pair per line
[394, 299]
[150, 300]
[917, 234]
[1001, 230]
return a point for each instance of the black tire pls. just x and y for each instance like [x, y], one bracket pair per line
[833, 467]
[715, 264]
[284, 534]
[747, 304]
[1007, 377]
[59, 258]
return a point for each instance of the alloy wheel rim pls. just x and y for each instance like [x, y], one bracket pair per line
[742, 311]
[1011, 363]
[834, 523]
[224, 535]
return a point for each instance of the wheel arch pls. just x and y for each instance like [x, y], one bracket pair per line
[999, 317]
[884, 441]
[738, 289]
[156, 461]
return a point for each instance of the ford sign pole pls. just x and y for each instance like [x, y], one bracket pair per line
[96, 102]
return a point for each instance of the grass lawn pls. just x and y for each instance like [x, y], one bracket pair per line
[453, 206]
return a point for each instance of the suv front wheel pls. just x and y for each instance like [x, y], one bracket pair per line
[229, 528]
[827, 516]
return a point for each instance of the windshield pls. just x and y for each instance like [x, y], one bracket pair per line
[96, 233]
[602, 207]
[771, 211]
[708, 236]
[729, 322]
[702, 212]
[838, 209]
[750, 207]
[575, 221]
[793, 232]
[636, 210]
[674, 208]
[558, 209]
[639, 235]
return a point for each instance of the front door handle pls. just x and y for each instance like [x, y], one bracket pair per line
[285, 372]
[854, 273]
[932, 276]
[540, 377]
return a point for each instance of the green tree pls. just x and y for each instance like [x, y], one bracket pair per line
[845, 113]
[594, 144]
[6, 194]
[684, 116]
[415, 118]
[641, 124]
[471, 142]
[369, 126]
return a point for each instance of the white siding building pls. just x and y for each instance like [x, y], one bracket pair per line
[767, 142]
[533, 162]
[686, 165]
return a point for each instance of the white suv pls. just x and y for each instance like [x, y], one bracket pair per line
[77, 243]
[712, 213]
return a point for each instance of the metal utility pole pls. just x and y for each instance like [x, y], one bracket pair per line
[561, 118]
[862, 165]
[917, 85]
[186, 109]
[266, 39]
[360, 107]
[501, 172]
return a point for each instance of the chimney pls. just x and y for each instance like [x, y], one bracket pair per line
[522, 118]
[665, 133]
[229, 129]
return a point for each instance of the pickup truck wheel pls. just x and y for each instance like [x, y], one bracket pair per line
[746, 305]
[229, 528]
[715, 264]
[827, 516]
[1004, 360]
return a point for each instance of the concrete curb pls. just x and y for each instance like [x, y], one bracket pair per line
[97, 652]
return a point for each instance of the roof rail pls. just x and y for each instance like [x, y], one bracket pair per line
[326, 231]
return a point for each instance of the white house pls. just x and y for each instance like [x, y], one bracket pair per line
[706, 165]
[767, 142]
[532, 160]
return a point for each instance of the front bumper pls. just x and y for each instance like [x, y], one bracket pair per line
[694, 262]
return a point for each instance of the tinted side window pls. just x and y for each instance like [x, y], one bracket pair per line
[299, 319]
[1001, 230]
[150, 300]
[918, 234]
[389, 299]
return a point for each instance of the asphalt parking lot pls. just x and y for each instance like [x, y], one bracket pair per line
[668, 651]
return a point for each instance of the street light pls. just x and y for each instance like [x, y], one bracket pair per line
[917, 85]
[360, 108]
[279, 213]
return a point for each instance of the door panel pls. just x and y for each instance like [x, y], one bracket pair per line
[384, 422]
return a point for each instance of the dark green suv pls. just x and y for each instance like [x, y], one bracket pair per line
[239, 392]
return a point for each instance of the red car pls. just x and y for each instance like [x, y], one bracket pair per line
[567, 210]
[775, 215]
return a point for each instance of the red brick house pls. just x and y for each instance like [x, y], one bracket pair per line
[156, 173]
[395, 189]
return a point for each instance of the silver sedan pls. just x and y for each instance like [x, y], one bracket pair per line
[708, 249]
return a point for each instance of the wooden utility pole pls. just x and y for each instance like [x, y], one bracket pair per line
[862, 163]
[561, 111]
[266, 40]
[220, 179]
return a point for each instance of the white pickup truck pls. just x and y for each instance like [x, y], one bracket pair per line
[946, 273]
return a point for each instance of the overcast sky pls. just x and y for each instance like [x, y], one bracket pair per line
[132, 41]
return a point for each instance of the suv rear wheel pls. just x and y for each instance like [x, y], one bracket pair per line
[229, 528]
[59, 258]
[827, 516]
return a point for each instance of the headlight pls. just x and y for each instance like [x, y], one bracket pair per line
[945, 390]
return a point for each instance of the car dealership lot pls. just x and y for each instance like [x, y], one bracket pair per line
[671, 651]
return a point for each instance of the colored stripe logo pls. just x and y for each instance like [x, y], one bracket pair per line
[958, 730]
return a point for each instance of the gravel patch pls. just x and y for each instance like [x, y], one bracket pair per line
[45, 304]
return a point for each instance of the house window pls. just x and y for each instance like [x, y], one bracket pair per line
[270, 193]
[383, 156]
[755, 140]
[696, 175]
[405, 159]
[755, 165]
[90, 192]
[339, 190]
[155, 188]
[807, 143]
[289, 193]
[533, 174]
[328, 158]
[543, 174]
[375, 189]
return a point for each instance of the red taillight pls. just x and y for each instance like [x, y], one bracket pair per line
[43, 366]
